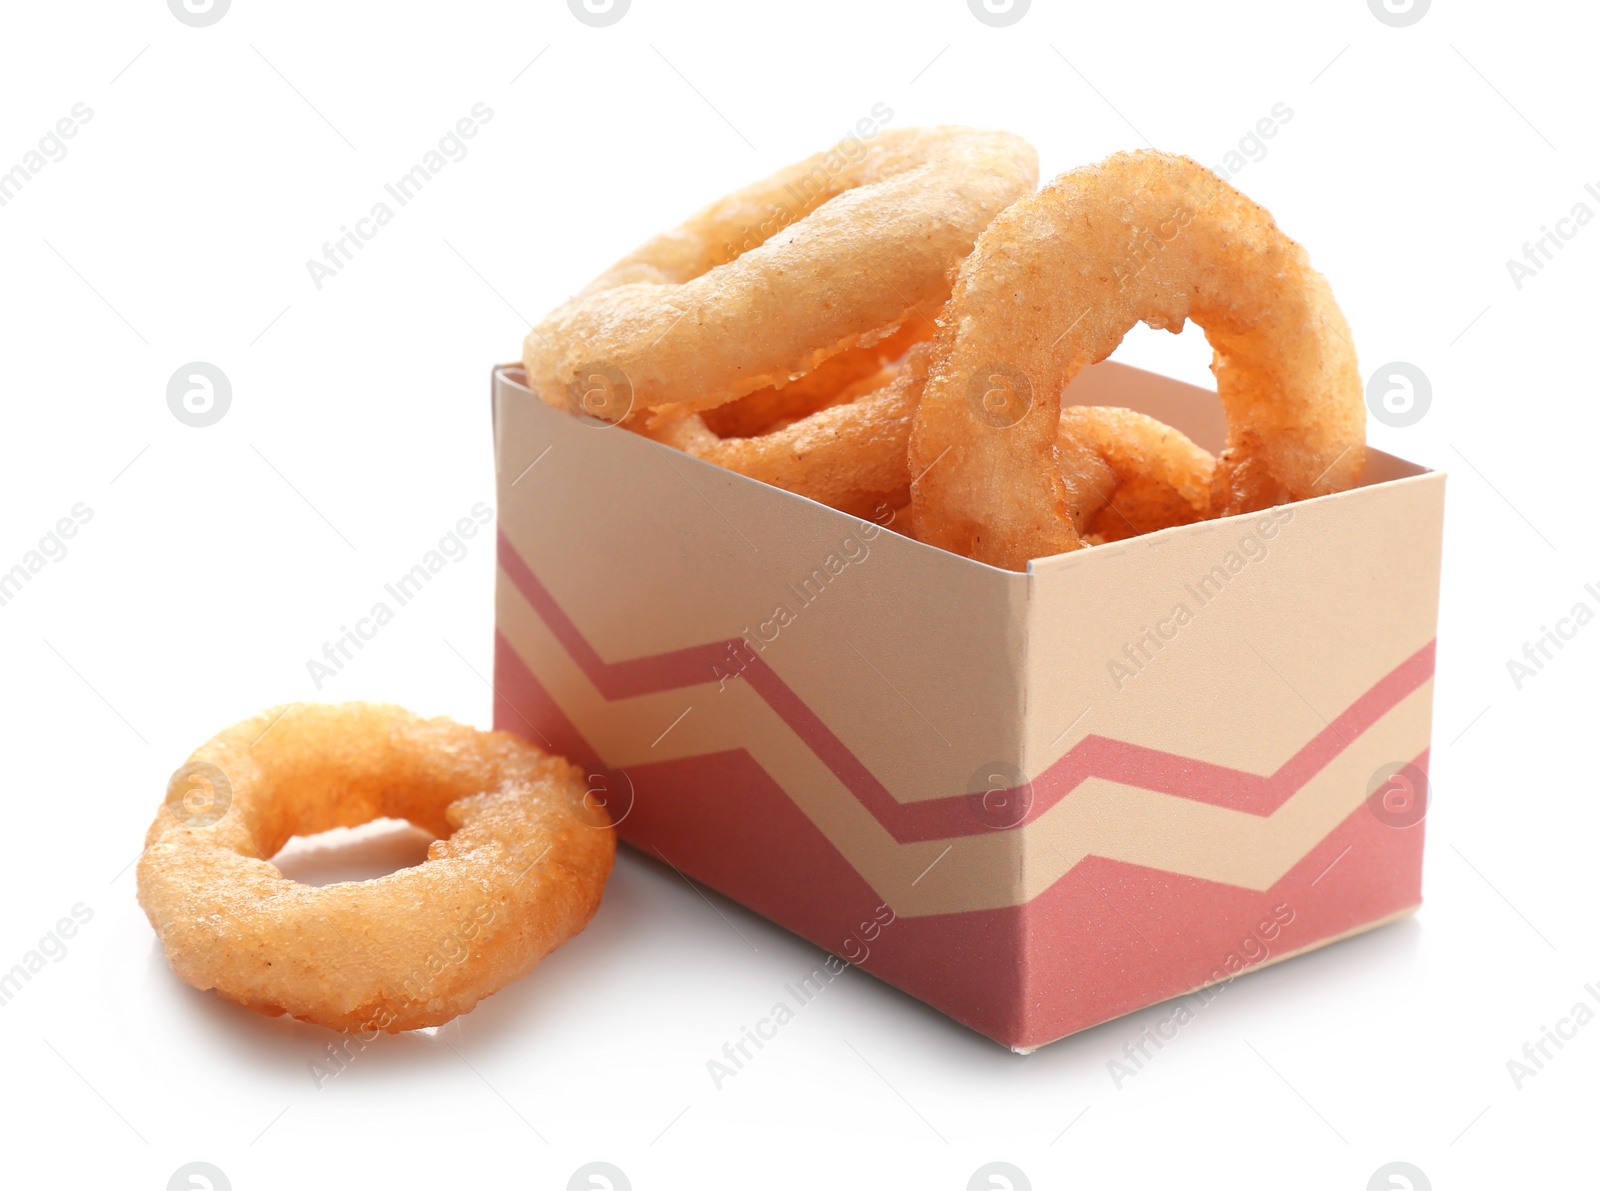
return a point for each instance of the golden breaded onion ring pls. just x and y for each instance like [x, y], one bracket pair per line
[1144, 474]
[848, 246]
[837, 379]
[850, 455]
[517, 869]
[1054, 284]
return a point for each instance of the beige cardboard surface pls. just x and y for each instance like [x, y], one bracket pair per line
[1250, 665]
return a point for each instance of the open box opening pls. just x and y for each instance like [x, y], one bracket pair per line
[1036, 801]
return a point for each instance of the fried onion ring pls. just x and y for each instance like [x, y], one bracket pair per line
[1145, 475]
[850, 455]
[852, 244]
[1139, 474]
[844, 377]
[1054, 284]
[517, 869]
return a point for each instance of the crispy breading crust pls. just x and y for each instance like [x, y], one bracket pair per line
[866, 239]
[1054, 284]
[517, 870]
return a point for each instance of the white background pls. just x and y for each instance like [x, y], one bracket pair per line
[218, 561]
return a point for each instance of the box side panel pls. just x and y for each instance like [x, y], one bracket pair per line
[783, 702]
[1233, 690]
[1236, 640]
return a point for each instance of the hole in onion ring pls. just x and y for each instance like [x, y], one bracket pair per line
[362, 853]
[1185, 356]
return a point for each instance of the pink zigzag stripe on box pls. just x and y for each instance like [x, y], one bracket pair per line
[1120, 935]
[957, 815]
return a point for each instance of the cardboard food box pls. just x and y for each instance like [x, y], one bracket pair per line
[1035, 801]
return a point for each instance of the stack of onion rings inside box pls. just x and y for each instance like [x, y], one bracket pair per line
[902, 330]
